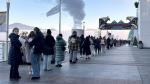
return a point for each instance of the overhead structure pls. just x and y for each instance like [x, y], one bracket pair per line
[103, 25]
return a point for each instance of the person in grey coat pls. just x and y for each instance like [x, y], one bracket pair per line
[60, 54]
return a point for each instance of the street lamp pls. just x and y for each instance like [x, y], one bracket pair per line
[136, 4]
[7, 32]
[83, 25]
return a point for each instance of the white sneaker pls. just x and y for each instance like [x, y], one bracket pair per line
[30, 72]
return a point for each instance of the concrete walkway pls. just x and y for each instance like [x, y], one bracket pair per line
[120, 65]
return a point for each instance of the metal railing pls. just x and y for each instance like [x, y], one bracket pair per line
[3, 53]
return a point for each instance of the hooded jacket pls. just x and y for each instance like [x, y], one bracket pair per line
[60, 55]
[76, 45]
[38, 43]
[50, 42]
[14, 57]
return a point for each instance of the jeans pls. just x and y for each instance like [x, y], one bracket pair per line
[92, 49]
[58, 62]
[47, 62]
[103, 48]
[73, 55]
[35, 63]
[100, 47]
[14, 71]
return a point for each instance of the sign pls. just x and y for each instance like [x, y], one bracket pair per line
[2, 21]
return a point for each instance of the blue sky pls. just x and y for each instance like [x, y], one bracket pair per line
[30, 12]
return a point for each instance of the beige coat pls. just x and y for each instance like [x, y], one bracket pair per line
[28, 51]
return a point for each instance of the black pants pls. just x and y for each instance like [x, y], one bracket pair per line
[108, 45]
[82, 52]
[14, 71]
[97, 49]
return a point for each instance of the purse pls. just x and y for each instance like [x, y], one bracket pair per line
[62, 47]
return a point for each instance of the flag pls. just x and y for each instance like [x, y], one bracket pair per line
[54, 10]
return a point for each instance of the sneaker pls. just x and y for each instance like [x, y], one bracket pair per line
[49, 70]
[57, 65]
[86, 58]
[30, 72]
[60, 65]
[70, 61]
[89, 58]
[35, 78]
[73, 62]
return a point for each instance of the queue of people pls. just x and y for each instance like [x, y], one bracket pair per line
[36, 44]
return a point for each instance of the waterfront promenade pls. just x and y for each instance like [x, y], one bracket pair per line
[120, 65]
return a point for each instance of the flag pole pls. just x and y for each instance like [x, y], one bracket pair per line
[60, 19]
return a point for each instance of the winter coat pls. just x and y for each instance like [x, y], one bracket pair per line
[86, 47]
[97, 42]
[38, 43]
[74, 46]
[60, 55]
[82, 40]
[50, 42]
[108, 41]
[112, 41]
[14, 57]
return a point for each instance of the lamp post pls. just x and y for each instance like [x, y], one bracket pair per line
[136, 6]
[7, 29]
[84, 26]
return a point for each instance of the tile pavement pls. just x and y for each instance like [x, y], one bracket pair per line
[120, 65]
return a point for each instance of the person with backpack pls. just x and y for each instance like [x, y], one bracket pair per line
[103, 44]
[74, 46]
[60, 52]
[39, 47]
[50, 42]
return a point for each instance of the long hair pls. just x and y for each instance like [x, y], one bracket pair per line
[31, 35]
[37, 30]
[14, 29]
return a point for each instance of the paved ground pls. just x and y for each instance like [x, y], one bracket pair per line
[120, 65]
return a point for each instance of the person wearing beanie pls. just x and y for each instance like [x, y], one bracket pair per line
[50, 42]
[74, 46]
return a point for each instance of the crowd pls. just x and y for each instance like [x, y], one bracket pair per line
[36, 43]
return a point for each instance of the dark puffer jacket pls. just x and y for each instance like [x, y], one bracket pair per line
[38, 43]
[49, 41]
[82, 40]
[14, 57]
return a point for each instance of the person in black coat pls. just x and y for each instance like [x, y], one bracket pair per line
[14, 58]
[97, 42]
[86, 47]
[39, 47]
[81, 48]
[108, 43]
[50, 42]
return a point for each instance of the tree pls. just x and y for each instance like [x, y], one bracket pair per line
[135, 41]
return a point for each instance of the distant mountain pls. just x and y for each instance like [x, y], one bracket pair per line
[52, 29]
[21, 26]
[91, 30]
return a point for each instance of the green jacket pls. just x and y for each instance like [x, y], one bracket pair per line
[60, 55]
